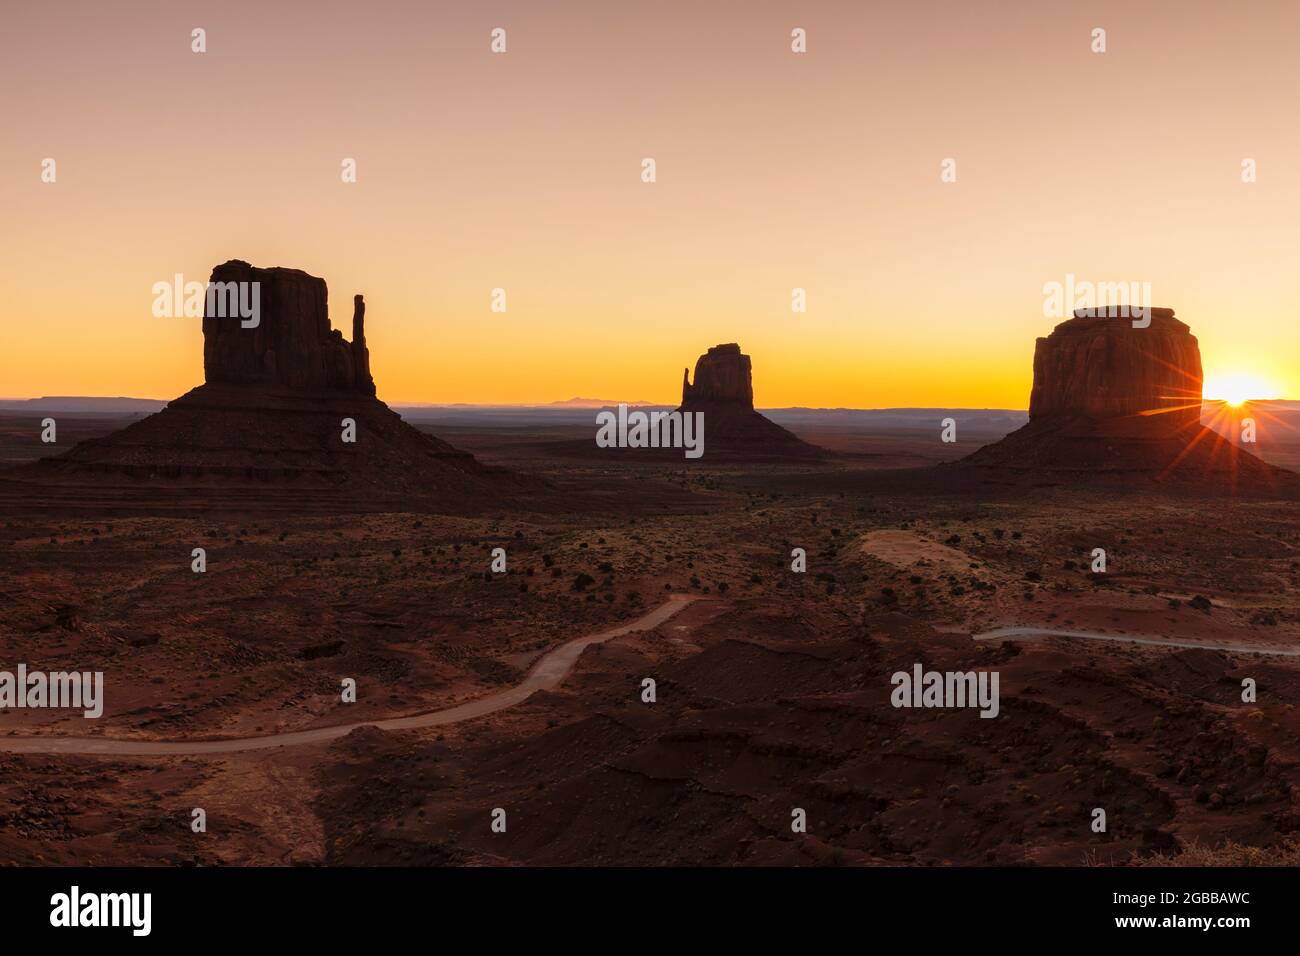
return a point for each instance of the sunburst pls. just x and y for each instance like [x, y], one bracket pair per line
[1238, 388]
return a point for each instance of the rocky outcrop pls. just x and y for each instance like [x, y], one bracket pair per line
[1104, 368]
[268, 426]
[722, 375]
[360, 354]
[291, 342]
[723, 392]
[1114, 403]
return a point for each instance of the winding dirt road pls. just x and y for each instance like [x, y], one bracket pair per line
[546, 674]
[1011, 633]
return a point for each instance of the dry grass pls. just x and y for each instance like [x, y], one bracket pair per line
[1229, 854]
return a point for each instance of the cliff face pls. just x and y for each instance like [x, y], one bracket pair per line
[1102, 368]
[722, 375]
[292, 343]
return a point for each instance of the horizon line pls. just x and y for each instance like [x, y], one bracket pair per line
[579, 404]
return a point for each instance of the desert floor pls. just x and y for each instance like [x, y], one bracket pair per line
[772, 687]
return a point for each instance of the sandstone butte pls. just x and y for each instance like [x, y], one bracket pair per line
[723, 391]
[1112, 401]
[294, 346]
[268, 421]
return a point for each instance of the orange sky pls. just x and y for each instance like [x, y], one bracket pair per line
[775, 170]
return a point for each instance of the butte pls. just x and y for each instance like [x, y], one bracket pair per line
[724, 391]
[267, 427]
[1119, 404]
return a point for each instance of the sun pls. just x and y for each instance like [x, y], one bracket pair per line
[1238, 388]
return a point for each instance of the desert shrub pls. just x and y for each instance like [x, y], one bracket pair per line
[1286, 853]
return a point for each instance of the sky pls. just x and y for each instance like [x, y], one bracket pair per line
[775, 170]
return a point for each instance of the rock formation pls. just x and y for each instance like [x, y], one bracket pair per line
[292, 343]
[1104, 369]
[271, 415]
[1111, 401]
[724, 392]
[723, 374]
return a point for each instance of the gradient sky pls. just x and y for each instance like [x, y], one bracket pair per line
[775, 170]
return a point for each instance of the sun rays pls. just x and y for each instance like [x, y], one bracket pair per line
[1238, 388]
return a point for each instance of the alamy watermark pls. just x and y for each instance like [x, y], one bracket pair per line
[639, 429]
[75, 908]
[75, 689]
[922, 688]
[1129, 300]
[220, 299]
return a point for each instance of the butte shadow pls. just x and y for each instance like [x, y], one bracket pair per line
[266, 429]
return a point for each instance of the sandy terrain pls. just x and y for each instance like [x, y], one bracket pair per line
[773, 688]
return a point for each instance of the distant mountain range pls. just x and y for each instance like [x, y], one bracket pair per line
[567, 403]
[89, 404]
[82, 403]
[594, 403]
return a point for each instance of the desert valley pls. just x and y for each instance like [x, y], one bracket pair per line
[567, 654]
